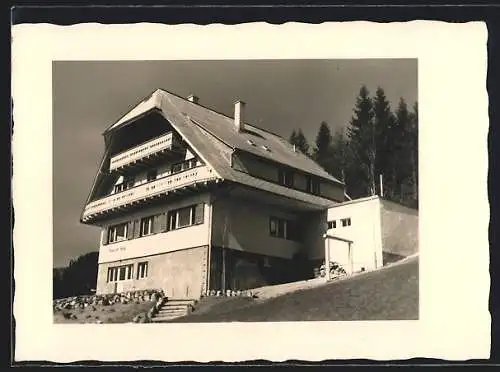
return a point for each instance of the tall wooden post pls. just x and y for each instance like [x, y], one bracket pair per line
[223, 284]
[351, 262]
[327, 259]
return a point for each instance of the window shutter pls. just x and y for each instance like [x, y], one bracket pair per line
[137, 228]
[199, 213]
[171, 220]
[159, 223]
[162, 223]
[104, 236]
[130, 230]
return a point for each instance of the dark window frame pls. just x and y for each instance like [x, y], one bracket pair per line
[283, 228]
[286, 177]
[332, 224]
[346, 221]
[149, 220]
[173, 217]
[112, 235]
[142, 270]
[115, 273]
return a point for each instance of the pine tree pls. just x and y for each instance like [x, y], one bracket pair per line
[301, 142]
[402, 142]
[414, 152]
[384, 124]
[339, 155]
[293, 138]
[321, 153]
[362, 136]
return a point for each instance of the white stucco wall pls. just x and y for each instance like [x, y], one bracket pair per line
[364, 231]
[188, 237]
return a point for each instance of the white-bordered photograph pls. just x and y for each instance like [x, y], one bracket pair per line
[293, 193]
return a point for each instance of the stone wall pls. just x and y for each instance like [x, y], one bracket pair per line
[180, 274]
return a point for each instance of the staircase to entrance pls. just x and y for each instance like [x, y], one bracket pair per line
[174, 308]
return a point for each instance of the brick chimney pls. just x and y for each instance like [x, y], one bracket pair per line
[239, 115]
[193, 98]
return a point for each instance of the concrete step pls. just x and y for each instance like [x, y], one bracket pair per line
[175, 307]
[180, 302]
[163, 317]
[172, 311]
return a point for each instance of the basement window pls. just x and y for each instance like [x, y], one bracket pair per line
[142, 270]
[250, 142]
[120, 273]
[264, 147]
[346, 222]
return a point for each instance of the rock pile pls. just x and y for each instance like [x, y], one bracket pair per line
[81, 302]
[336, 270]
[227, 293]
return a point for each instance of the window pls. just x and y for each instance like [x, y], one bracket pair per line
[176, 168]
[147, 226]
[119, 273]
[346, 222]
[142, 270]
[312, 185]
[117, 233]
[281, 228]
[250, 142]
[127, 183]
[184, 165]
[184, 217]
[332, 224]
[266, 148]
[286, 177]
[151, 175]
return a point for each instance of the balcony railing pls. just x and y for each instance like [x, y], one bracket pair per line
[165, 142]
[150, 189]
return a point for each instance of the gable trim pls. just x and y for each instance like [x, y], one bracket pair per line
[184, 137]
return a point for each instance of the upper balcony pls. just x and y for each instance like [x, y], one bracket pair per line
[167, 145]
[189, 180]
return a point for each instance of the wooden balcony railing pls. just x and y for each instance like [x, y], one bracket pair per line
[150, 189]
[166, 142]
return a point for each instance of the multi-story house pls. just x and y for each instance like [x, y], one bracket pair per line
[189, 199]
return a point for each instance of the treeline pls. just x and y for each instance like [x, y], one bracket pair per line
[78, 278]
[376, 154]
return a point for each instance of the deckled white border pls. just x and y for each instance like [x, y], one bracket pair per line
[454, 214]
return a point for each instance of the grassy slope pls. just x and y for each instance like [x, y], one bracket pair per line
[388, 294]
[116, 313]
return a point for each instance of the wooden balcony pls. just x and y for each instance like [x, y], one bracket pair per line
[186, 181]
[155, 149]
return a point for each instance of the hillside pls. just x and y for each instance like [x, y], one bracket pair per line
[387, 294]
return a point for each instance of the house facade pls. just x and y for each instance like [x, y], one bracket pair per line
[188, 200]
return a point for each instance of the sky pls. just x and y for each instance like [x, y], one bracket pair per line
[280, 95]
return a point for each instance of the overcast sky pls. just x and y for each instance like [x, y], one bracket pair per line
[281, 95]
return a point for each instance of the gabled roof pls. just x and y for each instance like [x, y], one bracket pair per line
[223, 129]
[214, 137]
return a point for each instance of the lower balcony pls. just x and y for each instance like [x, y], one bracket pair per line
[188, 180]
